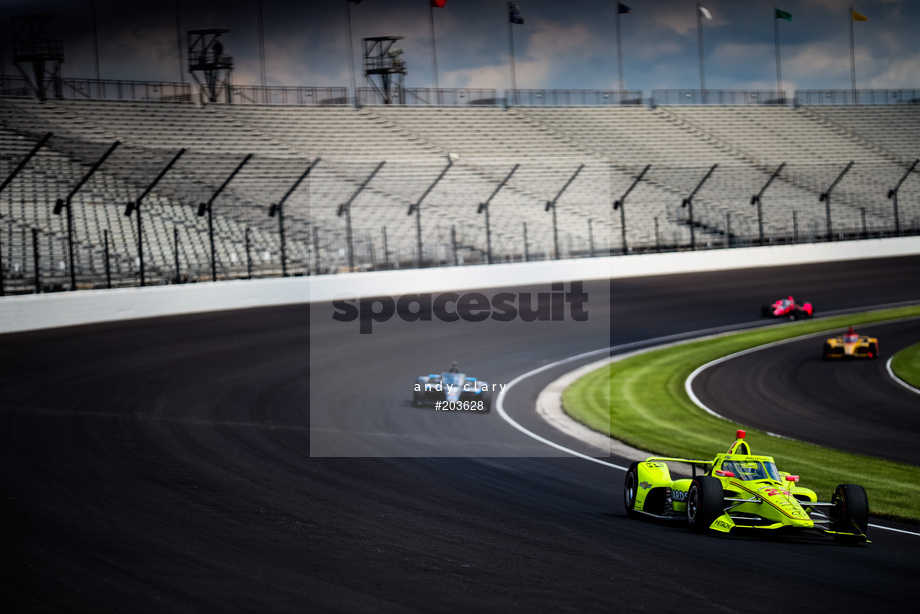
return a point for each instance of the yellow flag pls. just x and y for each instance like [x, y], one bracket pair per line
[858, 17]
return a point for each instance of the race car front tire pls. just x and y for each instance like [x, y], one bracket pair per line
[850, 511]
[418, 398]
[704, 502]
[631, 489]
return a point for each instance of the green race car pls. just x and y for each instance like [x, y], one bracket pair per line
[739, 490]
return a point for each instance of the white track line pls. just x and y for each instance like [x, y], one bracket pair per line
[657, 343]
[897, 379]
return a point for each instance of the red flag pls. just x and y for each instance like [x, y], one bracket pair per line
[438, 4]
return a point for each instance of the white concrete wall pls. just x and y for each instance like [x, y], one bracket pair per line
[38, 311]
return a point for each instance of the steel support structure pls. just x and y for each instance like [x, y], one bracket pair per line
[345, 208]
[619, 205]
[757, 199]
[67, 202]
[484, 208]
[417, 210]
[24, 161]
[688, 202]
[552, 205]
[826, 199]
[893, 194]
[279, 209]
[136, 206]
[206, 56]
[43, 55]
[207, 208]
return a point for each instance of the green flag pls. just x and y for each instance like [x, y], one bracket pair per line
[783, 15]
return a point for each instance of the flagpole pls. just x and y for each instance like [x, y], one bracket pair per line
[179, 46]
[619, 50]
[779, 77]
[511, 39]
[351, 57]
[852, 56]
[699, 31]
[264, 76]
[434, 54]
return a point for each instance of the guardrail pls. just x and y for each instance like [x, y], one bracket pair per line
[857, 97]
[572, 98]
[718, 97]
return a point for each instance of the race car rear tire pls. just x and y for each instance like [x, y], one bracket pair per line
[631, 489]
[704, 502]
[873, 350]
[851, 507]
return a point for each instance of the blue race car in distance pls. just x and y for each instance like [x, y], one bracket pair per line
[454, 390]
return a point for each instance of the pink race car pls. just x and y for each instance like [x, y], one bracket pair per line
[787, 308]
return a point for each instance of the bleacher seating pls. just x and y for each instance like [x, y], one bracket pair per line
[610, 144]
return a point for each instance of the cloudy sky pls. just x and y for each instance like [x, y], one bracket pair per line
[563, 44]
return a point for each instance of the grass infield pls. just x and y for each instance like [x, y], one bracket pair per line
[642, 402]
[906, 365]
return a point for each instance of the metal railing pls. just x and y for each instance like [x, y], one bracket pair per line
[432, 97]
[718, 97]
[572, 98]
[112, 89]
[857, 97]
[93, 89]
[289, 96]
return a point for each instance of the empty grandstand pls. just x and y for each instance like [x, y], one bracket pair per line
[445, 160]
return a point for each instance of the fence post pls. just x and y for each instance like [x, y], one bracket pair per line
[526, 255]
[316, 261]
[176, 251]
[386, 249]
[108, 269]
[35, 259]
[1, 261]
[248, 256]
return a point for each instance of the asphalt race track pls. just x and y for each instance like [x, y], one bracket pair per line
[165, 465]
[788, 389]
